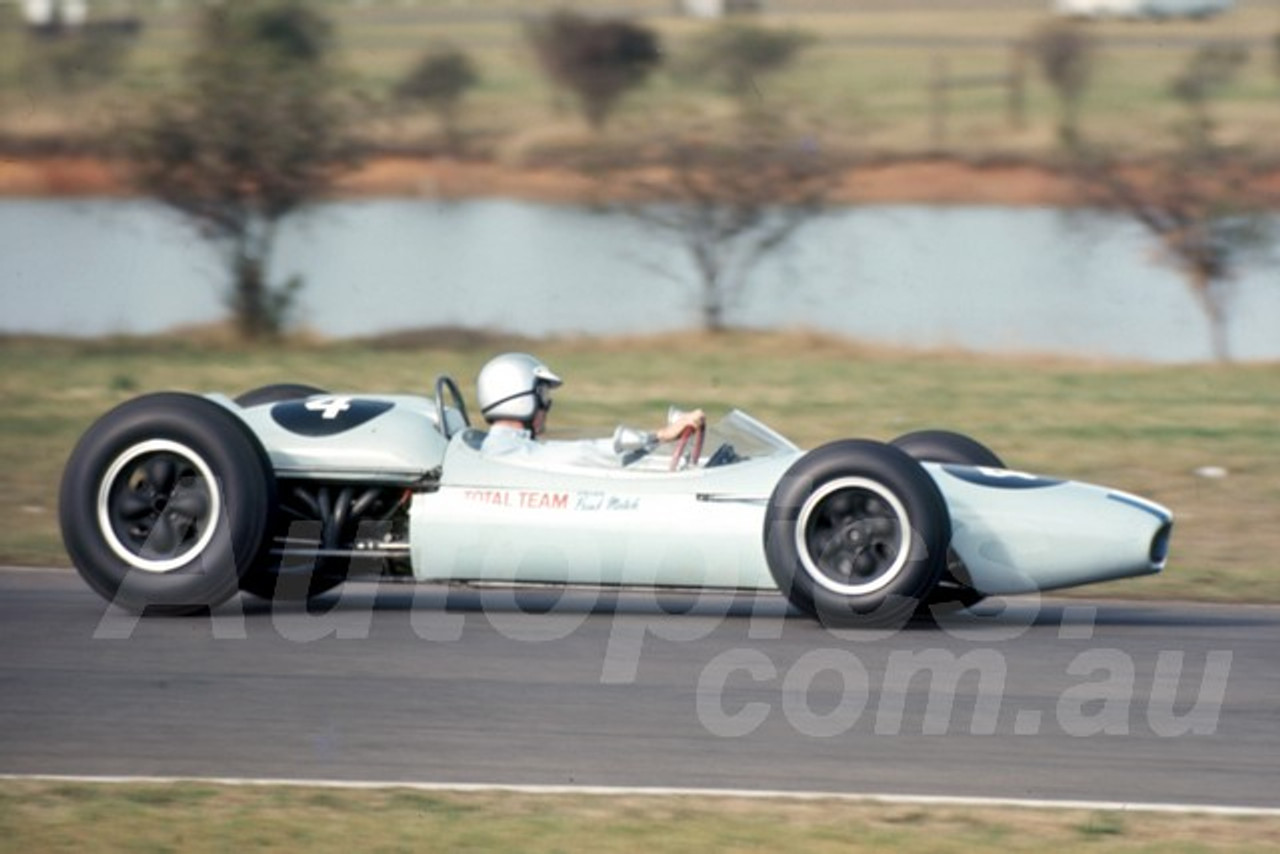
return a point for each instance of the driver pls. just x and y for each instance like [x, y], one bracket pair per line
[514, 392]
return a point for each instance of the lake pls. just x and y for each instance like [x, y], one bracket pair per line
[988, 279]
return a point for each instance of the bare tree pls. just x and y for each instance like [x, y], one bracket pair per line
[256, 131]
[1206, 205]
[69, 59]
[1066, 54]
[1211, 69]
[1203, 208]
[728, 205]
[735, 56]
[598, 60]
[439, 80]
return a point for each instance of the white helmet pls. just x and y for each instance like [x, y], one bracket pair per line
[514, 386]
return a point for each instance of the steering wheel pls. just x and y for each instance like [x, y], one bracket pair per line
[445, 383]
[687, 451]
[723, 456]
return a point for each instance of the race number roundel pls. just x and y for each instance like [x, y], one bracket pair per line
[328, 415]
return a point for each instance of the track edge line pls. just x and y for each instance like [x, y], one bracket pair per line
[666, 791]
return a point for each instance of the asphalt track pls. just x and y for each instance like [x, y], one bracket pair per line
[1056, 699]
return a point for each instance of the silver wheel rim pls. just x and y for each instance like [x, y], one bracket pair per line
[853, 536]
[158, 505]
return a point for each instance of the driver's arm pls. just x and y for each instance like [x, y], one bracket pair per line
[628, 441]
[694, 420]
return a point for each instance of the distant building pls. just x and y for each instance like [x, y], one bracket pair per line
[49, 13]
[1141, 8]
[719, 8]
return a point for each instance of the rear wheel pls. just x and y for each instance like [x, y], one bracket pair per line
[276, 393]
[165, 502]
[856, 534]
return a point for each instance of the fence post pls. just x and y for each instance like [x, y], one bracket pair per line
[938, 103]
[1017, 86]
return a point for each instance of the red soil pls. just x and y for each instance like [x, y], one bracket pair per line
[940, 181]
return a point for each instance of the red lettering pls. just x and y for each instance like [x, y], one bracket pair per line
[523, 500]
[544, 500]
[487, 496]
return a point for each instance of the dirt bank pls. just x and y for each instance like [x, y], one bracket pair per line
[940, 181]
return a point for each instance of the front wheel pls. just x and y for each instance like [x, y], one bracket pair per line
[164, 502]
[856, 534]
[955, 591]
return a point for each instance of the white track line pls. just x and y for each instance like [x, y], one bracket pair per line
[667, 792]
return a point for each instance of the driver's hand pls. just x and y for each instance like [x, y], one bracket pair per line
[694, 420]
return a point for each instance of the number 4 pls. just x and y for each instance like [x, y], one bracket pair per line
[329, 407]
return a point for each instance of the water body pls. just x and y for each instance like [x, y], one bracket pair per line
[987, 279]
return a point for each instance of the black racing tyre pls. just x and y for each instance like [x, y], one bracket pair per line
[944, 446]
[856, 534]
[165, 500]
[276, 393]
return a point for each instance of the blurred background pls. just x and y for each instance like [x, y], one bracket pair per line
[1051, 226]
[1013, 176]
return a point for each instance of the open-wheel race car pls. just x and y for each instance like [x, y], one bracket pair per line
[173, 502]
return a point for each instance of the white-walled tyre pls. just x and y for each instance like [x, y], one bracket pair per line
[164, 502]
[158, 506]
[856, 534]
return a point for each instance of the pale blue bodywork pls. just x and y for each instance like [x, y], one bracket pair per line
[474, 518]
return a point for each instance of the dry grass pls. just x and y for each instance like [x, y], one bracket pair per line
[48, 816]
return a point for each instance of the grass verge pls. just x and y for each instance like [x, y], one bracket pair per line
[196, 817]
[1153, 430]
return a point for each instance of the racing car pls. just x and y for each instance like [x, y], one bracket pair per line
[173, 502]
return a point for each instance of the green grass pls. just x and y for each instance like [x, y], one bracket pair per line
[1141, 428]
[196, 817]
[866, 96]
